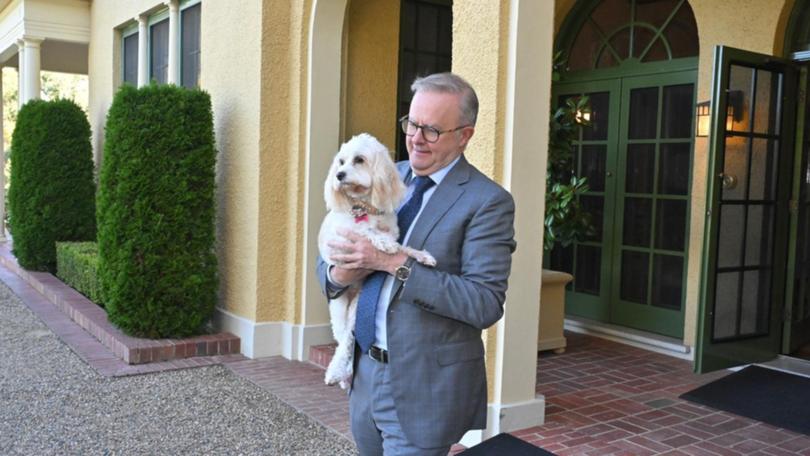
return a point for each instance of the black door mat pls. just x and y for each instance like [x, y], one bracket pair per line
[773, 397]
[505, 444]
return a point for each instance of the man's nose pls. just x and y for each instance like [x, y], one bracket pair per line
[341, 175]
[419, 136]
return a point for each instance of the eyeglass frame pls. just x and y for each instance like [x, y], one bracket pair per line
[439, 133]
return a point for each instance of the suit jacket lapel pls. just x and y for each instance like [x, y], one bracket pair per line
[443, 198]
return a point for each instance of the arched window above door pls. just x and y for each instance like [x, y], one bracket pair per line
[606, 33]
[798, 31]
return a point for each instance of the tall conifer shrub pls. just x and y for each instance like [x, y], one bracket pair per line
[51, 193]
[155, 212]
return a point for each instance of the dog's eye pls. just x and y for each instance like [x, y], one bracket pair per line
[359, 160]
[340, 162]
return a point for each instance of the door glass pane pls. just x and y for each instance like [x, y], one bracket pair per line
[739, 96]
[759, 235]
[755, 301]
[593, 166]
[594, 205]
[159, 51]
[767, 108]
[735, 168]
[729, 249]
[589, 258]
[677, 113]
[643, 113]
[670, 224]
[725, 305]
[764, 155]
[562, 258]
[600, 117]
[637, 221]
[673, 171]
[640, 168]
[635, 267]
[667, 281]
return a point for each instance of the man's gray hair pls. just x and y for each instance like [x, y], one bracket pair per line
[451, 83]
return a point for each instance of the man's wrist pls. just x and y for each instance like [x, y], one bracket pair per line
[331, 279]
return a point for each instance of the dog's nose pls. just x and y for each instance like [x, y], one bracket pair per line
[341, 175]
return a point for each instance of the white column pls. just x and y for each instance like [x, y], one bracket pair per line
[2, 168]
[20, 78]
[514, 404]
[31, 68]
[143, 65]
[174, 40]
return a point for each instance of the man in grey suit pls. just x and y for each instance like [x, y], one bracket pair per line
[422, 382]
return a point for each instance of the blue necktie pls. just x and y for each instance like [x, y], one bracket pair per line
[372, 287]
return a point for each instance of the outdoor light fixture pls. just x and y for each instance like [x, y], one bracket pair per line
[702, 117]
[734, 112]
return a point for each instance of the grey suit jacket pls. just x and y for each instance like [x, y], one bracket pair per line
[435, 320]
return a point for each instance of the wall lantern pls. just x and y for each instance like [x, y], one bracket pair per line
[733, 114]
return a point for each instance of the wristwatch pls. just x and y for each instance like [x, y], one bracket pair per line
[403, 272]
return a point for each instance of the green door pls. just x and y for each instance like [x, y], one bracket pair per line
[637, 156]
[745, 252]
[652, 202]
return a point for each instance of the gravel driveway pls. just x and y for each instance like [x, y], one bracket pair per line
[51, 402]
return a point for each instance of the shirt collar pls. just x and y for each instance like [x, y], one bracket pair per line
[439, 175]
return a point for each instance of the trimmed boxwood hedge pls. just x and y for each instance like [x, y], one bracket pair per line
[155, 214]
[51, 194]
[77, 266]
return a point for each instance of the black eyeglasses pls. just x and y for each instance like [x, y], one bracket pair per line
[430, 134]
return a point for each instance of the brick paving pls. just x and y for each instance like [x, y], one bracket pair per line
[602, 398]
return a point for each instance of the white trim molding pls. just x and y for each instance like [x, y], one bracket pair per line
[277, 338]
[508, 418]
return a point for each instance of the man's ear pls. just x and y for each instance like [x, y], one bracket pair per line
[465, 134]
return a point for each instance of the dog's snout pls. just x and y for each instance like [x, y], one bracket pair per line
[341, 175]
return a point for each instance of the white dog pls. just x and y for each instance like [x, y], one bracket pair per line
[362, 191]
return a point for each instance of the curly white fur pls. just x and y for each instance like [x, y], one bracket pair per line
[362, 173]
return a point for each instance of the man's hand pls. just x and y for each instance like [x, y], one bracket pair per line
[358, 258]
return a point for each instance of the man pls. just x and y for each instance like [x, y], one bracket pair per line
[421, 384]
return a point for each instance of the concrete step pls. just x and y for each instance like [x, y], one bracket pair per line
[321, 355]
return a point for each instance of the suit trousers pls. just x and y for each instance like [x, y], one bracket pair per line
[375, 425]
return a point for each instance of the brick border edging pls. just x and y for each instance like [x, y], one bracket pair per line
[93, 319]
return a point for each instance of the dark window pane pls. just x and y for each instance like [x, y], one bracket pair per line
[562, 258]
[594, 205]
[682, 33]
[735, 169]
[767, 109]
[584, 48]
[159, 51]
[593, 166]
[764, 155]
[670, 224]
[667, 283]
[131, 59]
[407, 34]
[678, 112]
[587, 277]
[600, 117]
[657, 52]
[740, 81]
[445, 44]
[643, 113]
[637, 221]
[725, 305]
[427, 31]
[190, 46]
[729, 249]
[635, 267]
[759, 235]
[756, 302]
[674, 168]
[640, 168]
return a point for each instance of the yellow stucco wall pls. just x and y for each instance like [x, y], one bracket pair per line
[372, 61]
[230, 74]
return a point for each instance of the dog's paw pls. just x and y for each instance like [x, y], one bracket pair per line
[425, 258]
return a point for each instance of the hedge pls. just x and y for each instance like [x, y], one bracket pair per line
[77, 266]
[51, 193]
[155, 213]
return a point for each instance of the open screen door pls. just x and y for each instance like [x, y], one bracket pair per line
[747, 220]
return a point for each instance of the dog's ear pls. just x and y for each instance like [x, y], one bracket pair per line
[335, 199]
[387, 189]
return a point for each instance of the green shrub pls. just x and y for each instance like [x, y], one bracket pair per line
[156, 212]
[77, 266]
[51, 194]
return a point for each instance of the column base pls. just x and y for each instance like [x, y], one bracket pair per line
[508, 418]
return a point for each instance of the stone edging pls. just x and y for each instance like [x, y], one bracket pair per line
[93, 319]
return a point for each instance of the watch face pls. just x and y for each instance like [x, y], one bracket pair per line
[403, 272]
